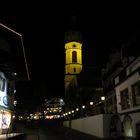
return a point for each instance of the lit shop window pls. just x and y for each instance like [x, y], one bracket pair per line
[136, 93]
[125, 103]
[5, 119]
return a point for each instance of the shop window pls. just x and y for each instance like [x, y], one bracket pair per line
[136, 93]
[5, 119]
[74, 57]
[125, 99]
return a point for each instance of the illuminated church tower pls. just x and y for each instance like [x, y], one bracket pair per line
[73, 62]
[73, 66]
[73, 55]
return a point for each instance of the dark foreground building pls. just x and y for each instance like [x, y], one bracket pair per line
[13, 68]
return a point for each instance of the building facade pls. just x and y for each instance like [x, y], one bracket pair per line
[12, 69]
[121, 88]
[127, 88]
[6, 102]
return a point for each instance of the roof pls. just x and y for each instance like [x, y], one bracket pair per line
[12, 54]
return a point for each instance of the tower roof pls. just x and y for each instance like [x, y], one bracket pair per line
[72, 32]
[73, 36]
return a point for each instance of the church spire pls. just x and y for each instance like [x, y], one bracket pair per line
[72, 21]
[72, 33]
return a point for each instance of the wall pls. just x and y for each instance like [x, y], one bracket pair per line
[97, 125]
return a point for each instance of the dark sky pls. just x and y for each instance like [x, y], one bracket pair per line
[105, 27]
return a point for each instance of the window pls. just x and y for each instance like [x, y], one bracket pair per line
[74, 69]
[125, 99]
[2, 83]
[110, 105]
[136, 93]
[74, 57]
[122, 76]
[8, 88]
[115, 100]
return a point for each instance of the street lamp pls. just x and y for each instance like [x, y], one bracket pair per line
[104, 103]
[83, 106]
[102, 98]
[77, 109]
[15, 102]
[91, 103]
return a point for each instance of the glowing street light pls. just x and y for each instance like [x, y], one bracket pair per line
[72, 111]
[83, 106]
[15, 73]
[77, 109]
[69, 112]
[102, 98]
[15, 102]
[91, 103]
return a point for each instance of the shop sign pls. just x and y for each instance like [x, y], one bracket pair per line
[5, 100]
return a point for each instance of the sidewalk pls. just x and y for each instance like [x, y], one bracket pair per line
[10, 136]
[72, 134]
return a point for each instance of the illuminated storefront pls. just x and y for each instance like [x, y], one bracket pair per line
[6, 105]
[5, 119]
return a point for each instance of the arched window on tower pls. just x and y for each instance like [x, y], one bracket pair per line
[74, 69]
[74, 57]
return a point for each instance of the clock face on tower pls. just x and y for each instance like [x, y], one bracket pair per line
[74, 45]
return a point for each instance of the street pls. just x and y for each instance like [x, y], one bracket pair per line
[51, 130]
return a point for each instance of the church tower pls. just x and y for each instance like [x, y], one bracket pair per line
[73, 66]
[73, 62]
[73, 56]
[73, 52]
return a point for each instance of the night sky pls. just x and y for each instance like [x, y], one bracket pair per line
[105, 28]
